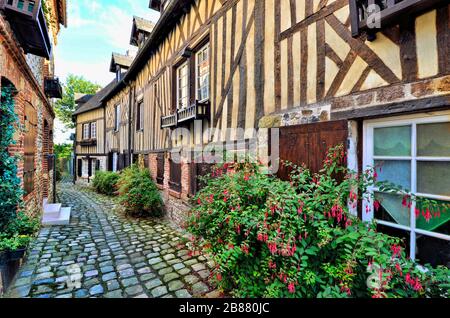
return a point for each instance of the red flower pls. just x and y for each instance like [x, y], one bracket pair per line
[219, 277]
[291, 288]
[376, 205]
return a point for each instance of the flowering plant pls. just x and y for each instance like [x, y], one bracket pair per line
[272, 238]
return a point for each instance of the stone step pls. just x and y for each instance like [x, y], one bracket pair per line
[63, 218]
[52, 209]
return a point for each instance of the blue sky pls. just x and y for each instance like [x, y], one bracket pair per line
[96, 28]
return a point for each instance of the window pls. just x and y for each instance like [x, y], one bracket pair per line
[140, 116]
[202, 73]
[85, 131]
[117, 118]
[93, 130]
[182, 86]
[412, 152]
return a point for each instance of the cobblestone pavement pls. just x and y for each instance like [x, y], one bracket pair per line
[105, 254]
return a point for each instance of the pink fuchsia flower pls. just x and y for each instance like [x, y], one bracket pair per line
[376, 205]
[219, 277]
[291, 288]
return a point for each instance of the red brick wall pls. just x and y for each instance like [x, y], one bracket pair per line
[13, 67]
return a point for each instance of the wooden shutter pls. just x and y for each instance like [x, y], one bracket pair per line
[308, 144]
[90, 167]
[175, 176]
[160, 168]
[80, 167]
[110, 161]
[30, 147]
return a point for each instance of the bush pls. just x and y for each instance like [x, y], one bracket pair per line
[138, 193]
[271, 238]
[105, 182]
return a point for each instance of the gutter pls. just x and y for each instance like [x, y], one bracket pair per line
[167, 21]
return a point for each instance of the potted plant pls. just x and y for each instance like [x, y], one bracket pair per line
[15, 247]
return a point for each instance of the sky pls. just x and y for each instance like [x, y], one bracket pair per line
[96, 28]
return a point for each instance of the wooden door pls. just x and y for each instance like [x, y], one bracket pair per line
[308, 144]
[31, 124]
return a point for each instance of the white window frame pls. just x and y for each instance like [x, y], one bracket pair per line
[368, 162]
[93, 130]
[117, 117]
[198, 88]
[179, 98]
[140, 110]
[86, 131]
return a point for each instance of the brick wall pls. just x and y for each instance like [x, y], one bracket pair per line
[14, 68]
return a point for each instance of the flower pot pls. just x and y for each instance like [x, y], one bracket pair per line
[17, 254]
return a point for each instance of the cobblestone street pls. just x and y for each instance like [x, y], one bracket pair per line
[105, 254]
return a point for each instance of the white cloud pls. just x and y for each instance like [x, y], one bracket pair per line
[97, 72]
[62, 134]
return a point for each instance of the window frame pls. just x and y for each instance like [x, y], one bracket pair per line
[93, 130]
[183, 64]
[368, 210]
[140, 116]
[86, 128]
[117, 117]
[204, 47]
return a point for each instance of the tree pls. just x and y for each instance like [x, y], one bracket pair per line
[66, 106]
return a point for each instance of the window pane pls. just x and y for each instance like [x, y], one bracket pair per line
[397, 172]
[433, 218]
[433, 251]
[433, 178]
[392, 209]
[433, 140]
[392, 141]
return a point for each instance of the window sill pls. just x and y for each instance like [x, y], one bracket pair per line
[160, 186]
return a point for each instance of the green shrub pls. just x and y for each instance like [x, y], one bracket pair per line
[23, 225]
[14, 243]
[10, 184]
[271, 238]
[138, 193]
[105, 182]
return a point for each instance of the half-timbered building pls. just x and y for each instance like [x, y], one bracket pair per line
[373, 75]
[89, 118]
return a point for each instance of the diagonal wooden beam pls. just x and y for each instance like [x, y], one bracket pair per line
[362, 50]
[234, 68]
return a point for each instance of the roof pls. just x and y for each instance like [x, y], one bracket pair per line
[120, 59]
[140, 25]
[95, 101]
[143, 24]
[82, 98]
[170, 17]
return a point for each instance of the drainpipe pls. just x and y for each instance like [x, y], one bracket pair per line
[130, 113]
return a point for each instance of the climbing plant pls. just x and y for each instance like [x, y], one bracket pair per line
[10, 190]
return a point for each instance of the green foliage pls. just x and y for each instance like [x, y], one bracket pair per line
[66, 106]
[63, 154]
[138, 193]
[19, 232]
[10, 190]
[271, 238]
[105, 182]
[14, 243]
[63, 151]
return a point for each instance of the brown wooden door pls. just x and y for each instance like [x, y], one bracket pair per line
[308, 144]
[31, 123]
